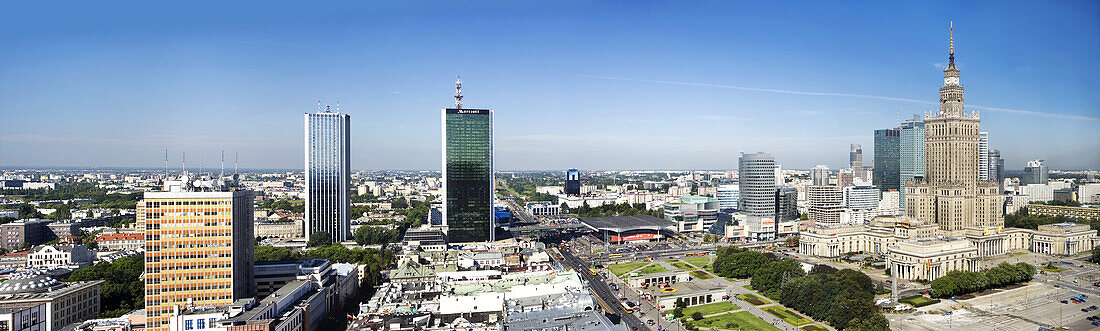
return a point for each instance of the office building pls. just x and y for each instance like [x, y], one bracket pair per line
[198, 246]
[757, 184]
[861, 196]
[62, 303]
[328, 171]
[983, 156]
[693, 213]
[1035, 173]
[29, 232]
[728, 196]
[845, 177]
[786, 204]
[819, 175]
[887, 171]
[824, 203]
[911, 150]
[573, 182]
[855, 160]
[997, 169]
[468, 173]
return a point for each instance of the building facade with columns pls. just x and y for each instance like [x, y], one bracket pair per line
[952, 218]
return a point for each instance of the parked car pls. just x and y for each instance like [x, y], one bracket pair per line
[1065, 301]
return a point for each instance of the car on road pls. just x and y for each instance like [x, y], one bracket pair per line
[1065, 301]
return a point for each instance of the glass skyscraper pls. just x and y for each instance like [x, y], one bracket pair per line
[757, 180]
[911, 150]
[468, 175]
[572, 181]
[328, 172]
[887, 172]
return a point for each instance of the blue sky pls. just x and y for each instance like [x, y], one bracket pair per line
[593, 85]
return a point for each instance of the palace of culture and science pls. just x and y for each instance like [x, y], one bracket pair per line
[952, 219]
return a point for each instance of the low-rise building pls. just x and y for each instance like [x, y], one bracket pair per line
[1078, 212]
[929, 258]
[65, 303]
[60, 255]
[27, 231]
[28, 317]
[120, 241]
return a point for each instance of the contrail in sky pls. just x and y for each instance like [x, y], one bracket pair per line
[834, 94]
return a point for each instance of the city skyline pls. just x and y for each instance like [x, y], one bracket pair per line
[746, 84]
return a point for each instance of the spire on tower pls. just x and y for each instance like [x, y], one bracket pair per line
[458, 92]
[951, 58]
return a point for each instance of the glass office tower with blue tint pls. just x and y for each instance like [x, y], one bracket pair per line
[468, 175]
[573, 182]
[887, 171]
[912, 153]
[328, 172]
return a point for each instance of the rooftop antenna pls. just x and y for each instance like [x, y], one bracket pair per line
[236, 159]
[326, 108]
[337, 106]
[318, 106]
[200, 166]
[184, 162]
[223, 164]
[458, 92]
[165, 164]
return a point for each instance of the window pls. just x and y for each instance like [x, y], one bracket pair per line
[201, 323]
[188, 324]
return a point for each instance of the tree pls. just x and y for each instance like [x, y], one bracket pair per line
[678, 312]
[1095, 255]
[319, 238]
[696, 316]
[680, 303]
[271, 253]
[371, 235]
[875, 322]
[123, 289]
[769, 279]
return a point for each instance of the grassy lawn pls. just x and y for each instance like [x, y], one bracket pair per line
[652, 269]
[709, 309]
[787, 315]
[918, 301]
[682, 265]
[701, 275]
[741, 320]
[1050, 268]
[621, 268]
[748, 287]
[753, 299]
[698, 261]
[814, 327]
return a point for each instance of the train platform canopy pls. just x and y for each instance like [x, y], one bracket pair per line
[626, 223]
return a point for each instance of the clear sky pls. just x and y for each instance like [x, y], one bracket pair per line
[592, 85]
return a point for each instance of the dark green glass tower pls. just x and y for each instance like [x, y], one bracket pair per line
[468, 174]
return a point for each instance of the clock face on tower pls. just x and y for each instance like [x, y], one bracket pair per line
[951, 80]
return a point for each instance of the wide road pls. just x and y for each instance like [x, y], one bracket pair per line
[599, 288]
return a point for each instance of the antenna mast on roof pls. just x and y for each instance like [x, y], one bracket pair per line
[184, 160]
[337, 106]
[223, 164]
[458, 92]
[236, 159]
[165, 164]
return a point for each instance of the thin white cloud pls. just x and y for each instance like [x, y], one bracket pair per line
[719, 118]
[835, 94]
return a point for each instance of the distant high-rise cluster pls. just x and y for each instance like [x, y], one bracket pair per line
[819, 175]
[855, 161]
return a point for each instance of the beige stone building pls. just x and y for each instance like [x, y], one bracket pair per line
[952, 218]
